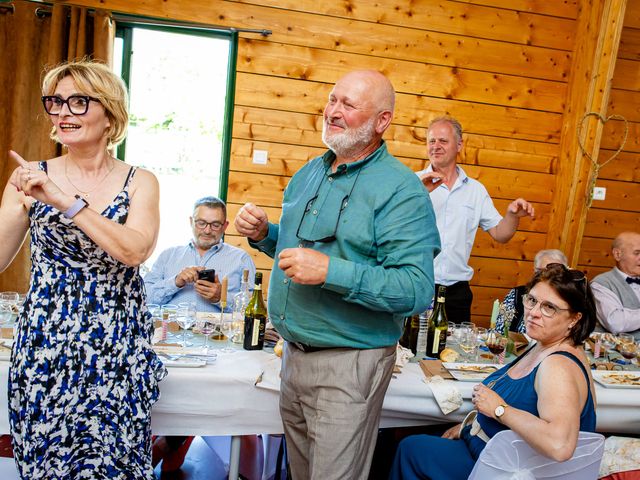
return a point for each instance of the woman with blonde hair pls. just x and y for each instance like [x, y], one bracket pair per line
[83, 375]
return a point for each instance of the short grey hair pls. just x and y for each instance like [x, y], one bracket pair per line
[211, 202]
[455, 124]
[551, 254]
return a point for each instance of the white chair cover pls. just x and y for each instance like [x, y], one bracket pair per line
[508, 457]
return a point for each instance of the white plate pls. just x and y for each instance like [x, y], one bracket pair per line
[470, 372]
[183, 362]
[617, 379]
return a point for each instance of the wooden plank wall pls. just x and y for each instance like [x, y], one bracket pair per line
[500, 66]
[620, 211]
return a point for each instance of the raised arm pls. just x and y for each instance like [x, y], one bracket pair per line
[14, 220]
[131, 243]
[517, 209]
[562, 392]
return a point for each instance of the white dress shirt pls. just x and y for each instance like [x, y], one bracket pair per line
[612, 315]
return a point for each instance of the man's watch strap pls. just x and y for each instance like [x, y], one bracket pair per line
[75, 207]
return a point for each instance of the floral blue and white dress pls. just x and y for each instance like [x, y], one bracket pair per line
[83, 375]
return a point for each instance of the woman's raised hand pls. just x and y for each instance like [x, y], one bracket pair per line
[35, 182]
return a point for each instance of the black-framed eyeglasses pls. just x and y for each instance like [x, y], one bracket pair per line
[202, 225]
[547, 309]
[78, 104]
[329, 238]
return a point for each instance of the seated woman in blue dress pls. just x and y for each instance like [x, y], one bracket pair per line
[546, 395]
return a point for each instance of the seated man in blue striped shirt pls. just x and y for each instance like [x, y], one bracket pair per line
[174, 276]
[174, 279]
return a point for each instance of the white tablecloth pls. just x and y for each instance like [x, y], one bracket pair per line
[223, 399]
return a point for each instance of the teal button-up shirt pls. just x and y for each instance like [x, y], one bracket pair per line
[381, 261]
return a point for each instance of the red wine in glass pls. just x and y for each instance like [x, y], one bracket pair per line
[496, 348]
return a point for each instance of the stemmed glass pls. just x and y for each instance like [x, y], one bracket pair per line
[168, 313]
[5, 317]
[207, 327]
[468, 341]
[228, 327]
[186, 318]
[627, 346]
[496, 344]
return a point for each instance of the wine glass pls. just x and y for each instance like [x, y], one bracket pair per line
[168, 314]
[468, 342]
[207, 327]
[186, 317]
[627, 346]
[496, 344]
[451, 329]
[228, 328]
[481, 333]
[5, 317]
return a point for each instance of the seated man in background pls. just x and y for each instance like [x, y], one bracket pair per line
[617, 292]
[174, 276]
[513, 300]
[174, 279]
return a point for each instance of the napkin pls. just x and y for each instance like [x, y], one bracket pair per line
[403, 355]
[621, 454]
[446, 394]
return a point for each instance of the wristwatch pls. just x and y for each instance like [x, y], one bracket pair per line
[75, 207]
[500, 409]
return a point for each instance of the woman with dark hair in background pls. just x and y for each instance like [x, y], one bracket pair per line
[546, 395]
[83, 375]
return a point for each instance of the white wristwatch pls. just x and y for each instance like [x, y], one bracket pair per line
[75, 207]
[500, 409]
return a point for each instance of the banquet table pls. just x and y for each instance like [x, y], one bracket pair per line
[238, 395]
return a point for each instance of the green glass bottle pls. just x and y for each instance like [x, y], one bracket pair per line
[255, 318]
[437, 334]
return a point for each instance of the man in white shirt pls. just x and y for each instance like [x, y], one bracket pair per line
[617, 292]
[461, 204]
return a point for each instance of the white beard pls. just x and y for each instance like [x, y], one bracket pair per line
[352, 140]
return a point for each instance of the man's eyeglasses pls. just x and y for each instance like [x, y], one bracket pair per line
[329, 238]
[202, 225]
[78, 104]
[547, 309]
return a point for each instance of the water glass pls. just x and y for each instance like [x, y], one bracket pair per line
[168, 313]
[468, 342]
[186, 318]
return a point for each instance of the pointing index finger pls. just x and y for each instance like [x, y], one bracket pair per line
[23, 163]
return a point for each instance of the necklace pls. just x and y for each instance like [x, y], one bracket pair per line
[86, 193]
[492, 383]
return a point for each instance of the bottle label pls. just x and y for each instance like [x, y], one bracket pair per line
[255, 334]
[436, 341]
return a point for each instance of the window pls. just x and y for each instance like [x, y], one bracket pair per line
[181, 102]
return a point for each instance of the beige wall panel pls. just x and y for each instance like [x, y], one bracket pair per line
[620, 196]
[608, 223]
[564, 8]
[413, 77]
[304, 129]
[625, 167]
[627, 74]
[300, 96]
[630, 43]
[596, 252]
[615, 132]
[331, 33]
[264, 190]
[538, 224]
[523, 246]
[498, 272]
[625, 102]
[591, 272]
[449, 17]
[483, 298]
[632, 14]
[262, 261]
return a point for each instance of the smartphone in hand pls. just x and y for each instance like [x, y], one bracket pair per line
[209, 275]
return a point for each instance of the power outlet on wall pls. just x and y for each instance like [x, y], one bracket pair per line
[260, 157]
[599, 193]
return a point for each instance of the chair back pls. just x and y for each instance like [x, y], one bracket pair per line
[508, 457]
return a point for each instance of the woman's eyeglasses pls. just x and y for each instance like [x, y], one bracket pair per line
[547, 309]
[78, 104]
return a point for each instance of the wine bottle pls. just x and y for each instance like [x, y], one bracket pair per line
[437, 334]
[255, 318]
[406, 333]
[413, 324]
